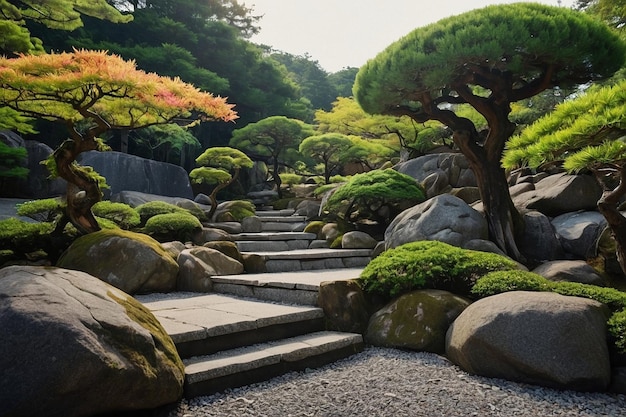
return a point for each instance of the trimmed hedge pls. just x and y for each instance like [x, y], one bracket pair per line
[429, 264]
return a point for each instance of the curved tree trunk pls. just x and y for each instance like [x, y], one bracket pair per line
[82, 190]
[503, 219]
[608, 206]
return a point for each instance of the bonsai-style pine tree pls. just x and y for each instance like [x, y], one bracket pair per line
[91, 92]
[216, 165]
[589, 135]
[330, 149]
[488, 59]
[274, 140]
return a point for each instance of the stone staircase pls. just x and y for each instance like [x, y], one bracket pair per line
[258, 326]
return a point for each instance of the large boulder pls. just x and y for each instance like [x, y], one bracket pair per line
[439, 172]
[539, 241]
[358, 240]
[418, 321]
[571, 271]
[445, 218]
[73, 345]
[538, 338]
[132, 262]
[37, 184]
[561, 193]
[125, 172]
[579, 232]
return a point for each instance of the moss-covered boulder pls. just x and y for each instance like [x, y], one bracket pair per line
[73, 345]
[132, 262]
[418, 321]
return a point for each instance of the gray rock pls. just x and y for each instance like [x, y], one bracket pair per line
[358, 240]
[538, 338]
[194, 275]
[220, 263]
[137, 198]
[125, 172]
[210, 234]
[454, 166]
[73, 345]
[345, 306]
[445, 218]
[418, 321]
[252, 224]
[308, 208]
[483, 245]
[572, 271]
[132, 262]
[579, 232]
[330, 231]
[539, 241]
[561, 193]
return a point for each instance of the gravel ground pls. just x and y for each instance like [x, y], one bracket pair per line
[388, 382]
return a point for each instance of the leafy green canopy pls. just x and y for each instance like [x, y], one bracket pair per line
[55, 14]
[584, 133]
[521, 40]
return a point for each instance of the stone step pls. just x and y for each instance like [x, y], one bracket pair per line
[282, 219]
[283, 226]
[275, 213]
[314, 259]
[202, 324]
[273, 241]
[299, 287]
[238, 367]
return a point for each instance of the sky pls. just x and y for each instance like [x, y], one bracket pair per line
[347, 33]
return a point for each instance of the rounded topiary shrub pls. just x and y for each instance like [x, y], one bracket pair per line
[121, 214]
[173, 226]
[154, 208]
[429, 264]
[502, 281]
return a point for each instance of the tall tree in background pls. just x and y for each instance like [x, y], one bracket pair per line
[54, 14]
[90, 93]
[273, 140]
[488, 58]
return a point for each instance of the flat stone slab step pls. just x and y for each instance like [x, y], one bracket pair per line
[228, 369]
[298, 287]
[322, 253]
[201, 324]
[273, 236]
[282, 219]
[275, 213]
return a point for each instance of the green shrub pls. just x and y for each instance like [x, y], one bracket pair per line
[121, 214]
[154, 208]
[173, 226]
[336, 243]
[378, 196]
[238, 210]
[502, 281]
[44, 210]
[287, 178]
[617, 328]
[429, 264]
[23, 237]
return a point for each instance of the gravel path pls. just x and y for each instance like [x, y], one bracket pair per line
[393, 383]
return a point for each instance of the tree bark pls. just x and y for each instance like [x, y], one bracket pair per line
[502, 217]
[608, 206]
[82, 190]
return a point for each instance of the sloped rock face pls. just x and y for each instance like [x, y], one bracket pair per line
[418, 321]
[73, 345]
[132, 262]
[534, 337]
[125, 172]
[444, 218]
[561, 193]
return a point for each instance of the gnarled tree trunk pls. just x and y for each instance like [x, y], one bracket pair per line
[608, 206]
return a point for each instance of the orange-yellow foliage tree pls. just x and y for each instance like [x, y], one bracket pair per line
[91, 92]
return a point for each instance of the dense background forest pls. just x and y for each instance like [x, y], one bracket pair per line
[206, 44]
